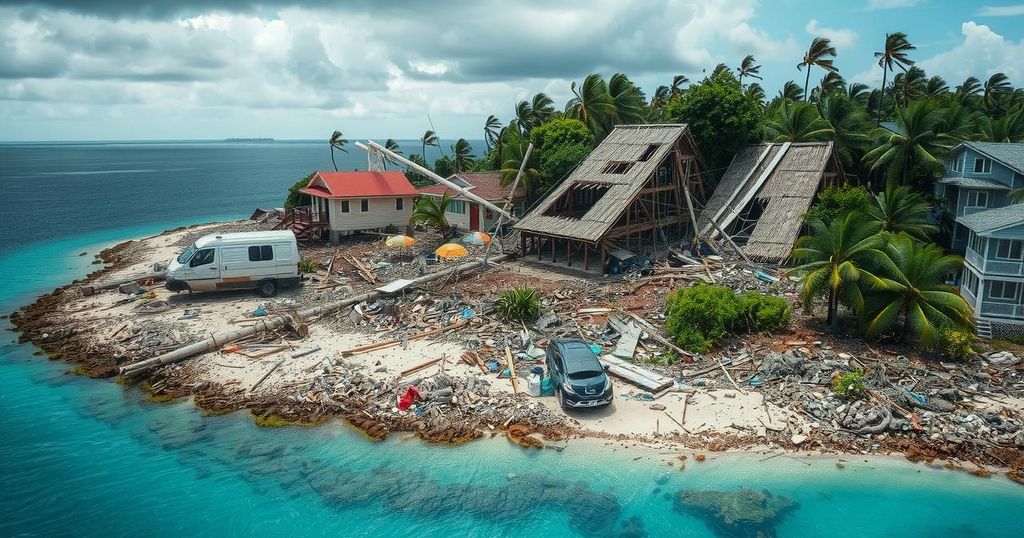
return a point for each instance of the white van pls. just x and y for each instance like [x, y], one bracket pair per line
[265, 261]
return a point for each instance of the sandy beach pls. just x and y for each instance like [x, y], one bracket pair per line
[284, 379]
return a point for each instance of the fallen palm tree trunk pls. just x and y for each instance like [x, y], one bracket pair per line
[276, 322]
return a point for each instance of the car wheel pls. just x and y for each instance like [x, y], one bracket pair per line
[267, 288]
[560, 397]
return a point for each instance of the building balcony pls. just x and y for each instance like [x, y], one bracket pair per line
[994, 267]
[1002, 310]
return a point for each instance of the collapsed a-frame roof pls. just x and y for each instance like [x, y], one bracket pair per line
[644, 146]
[783, 178]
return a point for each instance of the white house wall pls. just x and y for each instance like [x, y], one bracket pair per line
[381, 213]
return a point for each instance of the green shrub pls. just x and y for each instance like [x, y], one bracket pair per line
[849, 385]
[763, 313]
[519, 304]
[954, 343]
[699, 317]
[307, 265]
[837, 201]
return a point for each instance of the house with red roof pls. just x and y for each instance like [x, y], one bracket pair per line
[347, 202]
[468, 215]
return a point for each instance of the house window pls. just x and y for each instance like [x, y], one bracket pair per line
[344, 206]
[261, 254]
[364, 205]
[617, 167]
[999, 289]
[457, 206]
[982, 166]
[971, 282]
[649, 152]
[956, 164]
[977, 199]
[977, 243]
[399, 204]
[1008, 249]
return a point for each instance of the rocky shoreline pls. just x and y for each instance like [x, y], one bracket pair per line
[464, 406]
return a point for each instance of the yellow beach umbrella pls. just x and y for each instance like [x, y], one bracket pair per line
[450, 250]
[477, 238]
[400, 241]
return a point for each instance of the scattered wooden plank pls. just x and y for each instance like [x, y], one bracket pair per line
[266, 375]
[512, 370]
[421, 366]
[731, 380]
[388, 343]
[637, 375]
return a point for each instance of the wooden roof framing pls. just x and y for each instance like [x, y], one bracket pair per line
[645, 146]
[784, 178]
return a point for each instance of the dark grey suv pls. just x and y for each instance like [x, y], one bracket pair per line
[578, 377]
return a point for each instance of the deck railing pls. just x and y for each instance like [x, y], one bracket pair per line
[994, 267]
[1005, 310]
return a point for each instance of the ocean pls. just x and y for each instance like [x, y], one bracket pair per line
[91, 457]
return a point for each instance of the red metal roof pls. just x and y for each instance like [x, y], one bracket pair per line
[486, 185]
[359, 185]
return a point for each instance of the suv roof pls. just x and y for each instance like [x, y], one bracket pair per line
[577, 356]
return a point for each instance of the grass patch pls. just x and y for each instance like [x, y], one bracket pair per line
[698, 318]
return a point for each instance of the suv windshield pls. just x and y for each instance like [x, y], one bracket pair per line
[580, 362]
[187, 255]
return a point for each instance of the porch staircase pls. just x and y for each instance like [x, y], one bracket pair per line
[302, 223]
[983, 328]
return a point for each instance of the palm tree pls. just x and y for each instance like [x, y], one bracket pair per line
[911, 288]
[661, 96]
[627, 100]
[832, 82]
[820, 53]
[797, 122]
[543, 108]
[430, 211]
[492, 127]
[791, 91]
[524, 115]
[755, 91]
[1009, 128]
[834, 259]
[849, 124]
[677, 84]
[719, 69]
[591, 104]
[909, 86]
[513, 149]
[915, 145]
[858, 93]
[957, 123]
[429, 139]
[749, 68]
[895, 53]
[462, 155]
[393, 147]
[337, 142]
[936, 86]
[902, 211]
[995, 87]
[970, 88]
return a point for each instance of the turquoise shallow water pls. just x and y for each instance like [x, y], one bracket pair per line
[88, 457]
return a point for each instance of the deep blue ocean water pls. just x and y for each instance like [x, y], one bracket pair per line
[91, 457]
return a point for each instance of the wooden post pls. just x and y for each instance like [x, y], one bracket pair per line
[586, 257]
[522, 243]
[604, 253]
[553, 256]
[568, 252]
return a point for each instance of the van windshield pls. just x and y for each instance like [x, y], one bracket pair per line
[187, 255]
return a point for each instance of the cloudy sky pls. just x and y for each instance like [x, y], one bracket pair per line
[194, 69]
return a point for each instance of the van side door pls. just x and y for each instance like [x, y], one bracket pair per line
[235, 270]
[286, 259]
[204, 270]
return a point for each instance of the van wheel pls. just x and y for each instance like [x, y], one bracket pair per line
[267, 288]
[560, 398]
